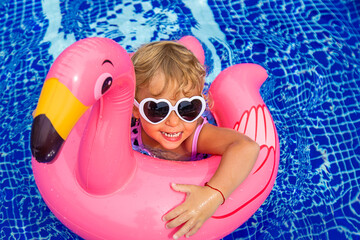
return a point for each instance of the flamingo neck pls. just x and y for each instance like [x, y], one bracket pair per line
[106, 159]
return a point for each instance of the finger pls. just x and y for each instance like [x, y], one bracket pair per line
[173, 213]
[178, 221]
[184, 229]
[181, 187]
[194, 229]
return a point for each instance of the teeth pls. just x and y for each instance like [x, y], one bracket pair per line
[172, 135]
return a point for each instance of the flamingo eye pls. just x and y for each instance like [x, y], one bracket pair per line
[102, 85]
[106, 85]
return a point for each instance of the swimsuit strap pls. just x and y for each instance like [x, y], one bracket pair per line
[136, 139]
[136, 133]
[195, 140]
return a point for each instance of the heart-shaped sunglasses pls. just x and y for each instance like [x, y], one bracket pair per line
[157, 110]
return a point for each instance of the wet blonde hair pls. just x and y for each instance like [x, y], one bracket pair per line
[178, 64]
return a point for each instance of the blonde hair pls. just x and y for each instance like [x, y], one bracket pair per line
[179, 65]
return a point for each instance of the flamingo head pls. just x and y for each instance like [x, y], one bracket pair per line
[83, 73]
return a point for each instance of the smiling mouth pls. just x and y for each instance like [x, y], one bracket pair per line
[171, 135]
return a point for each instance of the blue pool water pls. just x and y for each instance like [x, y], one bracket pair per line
[310, 48]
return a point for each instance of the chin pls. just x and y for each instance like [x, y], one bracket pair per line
[170, 146]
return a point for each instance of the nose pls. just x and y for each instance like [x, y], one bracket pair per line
[173, 119]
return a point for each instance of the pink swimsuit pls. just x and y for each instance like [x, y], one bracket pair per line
[139, 146]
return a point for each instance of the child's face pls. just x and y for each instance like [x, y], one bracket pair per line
[172, 132]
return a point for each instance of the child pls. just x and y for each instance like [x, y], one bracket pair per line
[168, 106]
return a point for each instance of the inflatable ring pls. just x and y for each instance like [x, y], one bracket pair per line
[95, 183]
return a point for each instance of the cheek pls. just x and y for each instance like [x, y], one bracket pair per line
[190, 127]
[148, 127]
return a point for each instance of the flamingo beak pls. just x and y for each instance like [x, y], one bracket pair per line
[57, 112]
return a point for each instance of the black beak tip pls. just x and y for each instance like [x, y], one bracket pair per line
[45, 141]
[41, 156]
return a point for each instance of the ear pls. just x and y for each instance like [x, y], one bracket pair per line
[136, 112]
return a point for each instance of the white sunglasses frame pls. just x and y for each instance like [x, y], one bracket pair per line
[140, 106]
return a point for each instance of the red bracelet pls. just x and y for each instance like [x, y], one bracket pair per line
[207, 185]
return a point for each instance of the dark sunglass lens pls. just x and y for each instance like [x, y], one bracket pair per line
[156, 112]
[190, 110]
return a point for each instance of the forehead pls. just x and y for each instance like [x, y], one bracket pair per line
[160, 87]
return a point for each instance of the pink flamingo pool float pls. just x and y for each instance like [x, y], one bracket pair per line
[97, 185]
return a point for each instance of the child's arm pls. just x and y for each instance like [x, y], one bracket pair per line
[239, 154]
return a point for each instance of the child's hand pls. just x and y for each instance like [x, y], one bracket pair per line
[200, 204]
